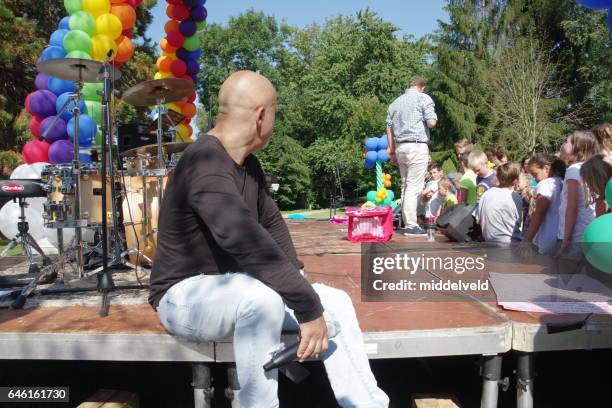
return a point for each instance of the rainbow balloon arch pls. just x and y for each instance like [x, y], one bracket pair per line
[90, 30]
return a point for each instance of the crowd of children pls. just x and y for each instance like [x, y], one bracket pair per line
[544, 204]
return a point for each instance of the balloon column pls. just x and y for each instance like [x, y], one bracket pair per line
[375, 154]
[599, 5]
[181, 51]
[597, 241]
[92, 28]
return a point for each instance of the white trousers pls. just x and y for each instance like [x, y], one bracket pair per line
[214, 307]
[412, 159]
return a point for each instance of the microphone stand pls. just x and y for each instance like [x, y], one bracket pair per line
[105, 280]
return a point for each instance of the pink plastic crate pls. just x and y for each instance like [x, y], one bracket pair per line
[370, 225]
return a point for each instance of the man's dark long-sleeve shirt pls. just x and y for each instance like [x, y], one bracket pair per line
[217, 217]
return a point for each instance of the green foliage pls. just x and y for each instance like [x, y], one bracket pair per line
[286, 159]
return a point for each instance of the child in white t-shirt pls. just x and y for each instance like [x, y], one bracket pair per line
[500, 210]
[575, 214]
[428, 199]
[549, 173]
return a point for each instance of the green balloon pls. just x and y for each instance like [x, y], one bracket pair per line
[191, 43]
[98, 137]
[390, 195]
[371, 196]
[72, 6]
[609, 193]
[386, 201]
[78, 54]
[94, 109]
[90, 92]
[597, 243]
[82, 20]
[77, 40]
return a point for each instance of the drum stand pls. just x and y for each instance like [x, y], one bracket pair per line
[26, 240]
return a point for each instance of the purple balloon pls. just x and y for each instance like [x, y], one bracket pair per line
[193, 67]
[188, 28]
[41, 81]
[193, 3]
[42, 103]
[199, 13]
[61, 151]
[57, 132]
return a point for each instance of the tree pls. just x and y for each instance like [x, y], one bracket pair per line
[524, 101]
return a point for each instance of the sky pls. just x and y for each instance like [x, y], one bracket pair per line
[415, 17]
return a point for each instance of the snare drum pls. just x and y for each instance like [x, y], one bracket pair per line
[59, 209]
[140, 216]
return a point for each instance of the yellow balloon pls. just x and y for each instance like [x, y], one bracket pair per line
[161, 75]
[171, 55]
[96, 7]
[182, 132]
[174, 107]
[100, 45]
[109, 24]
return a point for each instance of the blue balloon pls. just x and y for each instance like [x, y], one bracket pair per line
[59, 86]
[370, 160]
[85, 157]
[610, 19]
[87, 130]
[67, 114]
[52, 52]
[193, 67]
[383, 144]
[64, 24]
[186, 55]
[371, 144]
[57, 38]
[382, 156]
[187, 27]
[595, 4]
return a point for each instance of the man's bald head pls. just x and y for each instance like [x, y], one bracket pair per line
[244, 92]
[247, 101]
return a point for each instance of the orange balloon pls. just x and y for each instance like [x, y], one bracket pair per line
[167, 47]
[170, 11]
[126, 14]
[117, 1]
[125, 49]
[171, 25]
[189, 110]
[164, 64]
[180, 104]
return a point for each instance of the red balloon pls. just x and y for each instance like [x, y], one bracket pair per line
[175, 39]
[27, 104]
[178, 68]
[171, 25]
[128, 33]
[36, 151]
[187, 77]
[174, 2]
[35, 126]
[192, 97]
[189, 110]
[180, 12]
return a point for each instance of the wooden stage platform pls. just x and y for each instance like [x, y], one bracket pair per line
[391, 329]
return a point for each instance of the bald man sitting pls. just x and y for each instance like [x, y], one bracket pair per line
[226, 265]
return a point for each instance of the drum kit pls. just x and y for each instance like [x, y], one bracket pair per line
[113, 206]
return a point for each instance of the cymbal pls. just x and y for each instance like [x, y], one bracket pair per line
[149, 93]
[169, 148]
[75, 69]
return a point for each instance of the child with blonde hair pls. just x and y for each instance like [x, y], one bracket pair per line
[603, 133]
[485, 175]
[596, 173]
[575, 213]
[445, 195]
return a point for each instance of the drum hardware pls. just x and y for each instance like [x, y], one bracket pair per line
[19, 191]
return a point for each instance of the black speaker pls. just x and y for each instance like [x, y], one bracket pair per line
[458, 224]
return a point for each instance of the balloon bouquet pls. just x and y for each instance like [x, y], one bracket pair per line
[92, 28]
[376, 153]
[181, 51]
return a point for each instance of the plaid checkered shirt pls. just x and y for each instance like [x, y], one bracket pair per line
[408, 116]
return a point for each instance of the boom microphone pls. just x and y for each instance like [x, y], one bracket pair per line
[288, 354]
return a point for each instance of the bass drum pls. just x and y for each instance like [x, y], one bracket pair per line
[140, 216]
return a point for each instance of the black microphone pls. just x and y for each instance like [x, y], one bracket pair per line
[288, 354]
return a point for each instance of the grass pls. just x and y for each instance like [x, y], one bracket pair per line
[14, 252]
[322, 214]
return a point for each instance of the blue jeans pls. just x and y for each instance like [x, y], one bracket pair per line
[216, 307]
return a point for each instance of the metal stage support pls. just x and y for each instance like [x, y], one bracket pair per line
[202, 389]
[491, 381]
[525, 374]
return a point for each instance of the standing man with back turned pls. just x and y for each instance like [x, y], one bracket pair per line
[408, 122]
[226, 265]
